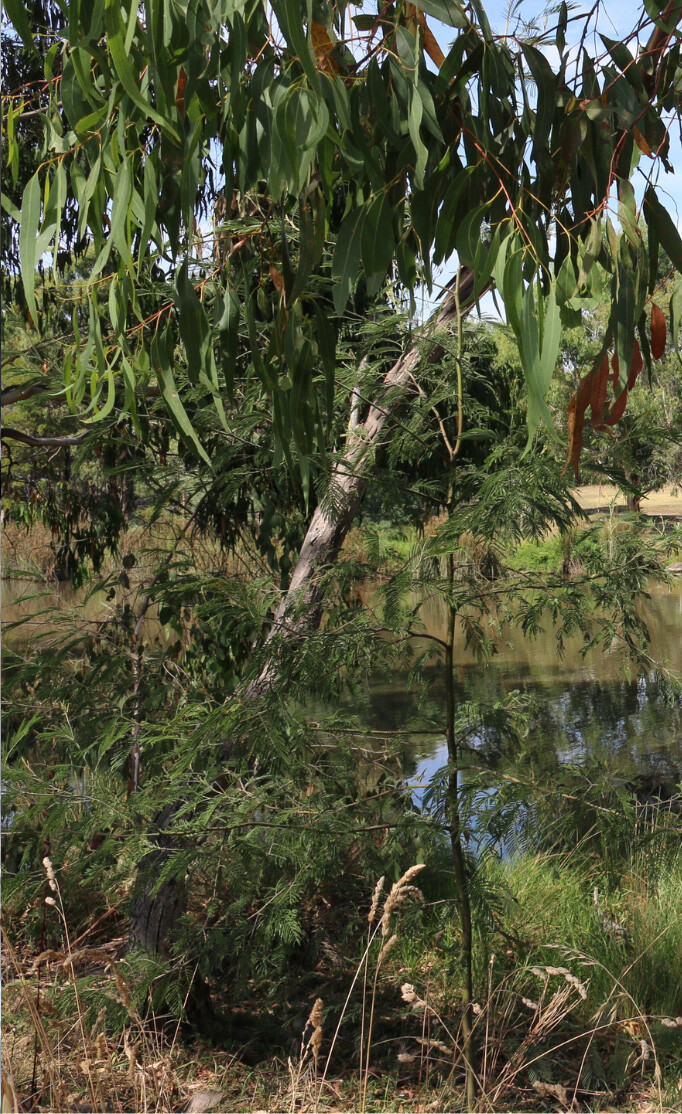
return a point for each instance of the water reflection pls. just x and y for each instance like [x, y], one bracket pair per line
[583, 708]
[48, 610]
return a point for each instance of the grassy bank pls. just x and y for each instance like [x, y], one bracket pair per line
[396, 547]
[602, 497]
[579, 1006]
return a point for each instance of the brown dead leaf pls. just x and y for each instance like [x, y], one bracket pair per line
[657, 332]
[202, 1101]
[632, 1027]
[323, 47]
[552, 1090]
[180, 92]
[641, 141]
[576, 420]
[277, 279]
[9, 1103]
[599, 387]
[430, 45]
[635, 365]
[617, 410]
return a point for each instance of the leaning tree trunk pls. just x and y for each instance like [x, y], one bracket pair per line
[155, 915]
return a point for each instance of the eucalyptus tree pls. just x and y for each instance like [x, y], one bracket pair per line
[249, 177]
[244, 166]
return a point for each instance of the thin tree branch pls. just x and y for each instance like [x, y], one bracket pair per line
[43, 442]
[10, 395]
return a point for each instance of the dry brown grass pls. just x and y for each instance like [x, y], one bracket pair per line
[593, 497]
[31, 552]
[527, 1016]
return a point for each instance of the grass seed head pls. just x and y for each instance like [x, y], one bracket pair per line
[410, 995]
[130, 1051]
[440, 1046]
[122, 987]
[409, 874]
[399, 890]
[98, 1026]
[315, 1018]
[375, 899]
[387, 947]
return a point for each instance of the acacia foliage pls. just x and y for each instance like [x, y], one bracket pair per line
[281, 841]
[336, 143]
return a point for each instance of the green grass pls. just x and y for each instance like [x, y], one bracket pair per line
[556, 912]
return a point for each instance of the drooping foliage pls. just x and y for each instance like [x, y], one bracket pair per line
[237, 162]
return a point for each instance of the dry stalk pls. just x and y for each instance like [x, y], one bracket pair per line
[45, 1043]
[623, 993]
[374, 928]
[548, 1014]
[310, 1047]
[488, 1016]
[400, 891]
[371, 917]
[68, 964]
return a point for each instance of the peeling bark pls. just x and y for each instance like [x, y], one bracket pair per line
[299, 610]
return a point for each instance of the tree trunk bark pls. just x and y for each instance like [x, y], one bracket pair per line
[155, 916]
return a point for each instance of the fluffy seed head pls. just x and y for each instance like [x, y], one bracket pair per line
[49, 871]
[131, 1053]
[410, 995]
[398, 890]
[440, 1046]
[122, 987]
[315, 1018]
[409, 874]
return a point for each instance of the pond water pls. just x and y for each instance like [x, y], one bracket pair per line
[46, 611]
[584, 706]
